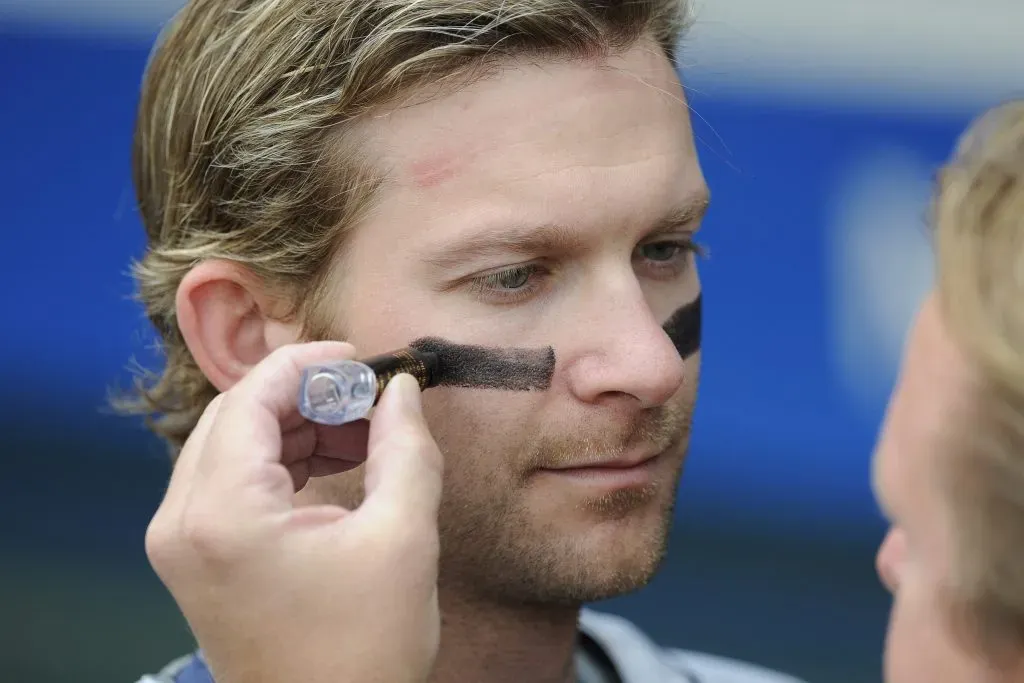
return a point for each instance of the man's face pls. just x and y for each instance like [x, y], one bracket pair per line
[550, 205]
[916, 559]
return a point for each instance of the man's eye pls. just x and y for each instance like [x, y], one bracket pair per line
[513, 278]
[510, 285]
[662, 251]
[667, 258]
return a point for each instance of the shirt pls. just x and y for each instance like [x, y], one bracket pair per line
[609, 650]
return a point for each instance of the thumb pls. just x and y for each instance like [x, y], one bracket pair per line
[404, 466]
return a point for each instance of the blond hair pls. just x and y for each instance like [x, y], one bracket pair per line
[246, 146]
[979, 238]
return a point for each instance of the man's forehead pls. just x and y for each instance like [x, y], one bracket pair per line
[434, 167]
[442, 132]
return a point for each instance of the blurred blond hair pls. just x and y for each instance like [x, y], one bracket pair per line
[979, 238]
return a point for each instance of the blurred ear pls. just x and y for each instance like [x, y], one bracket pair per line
[229, 321]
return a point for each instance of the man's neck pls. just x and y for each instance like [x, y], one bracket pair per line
[495, 644]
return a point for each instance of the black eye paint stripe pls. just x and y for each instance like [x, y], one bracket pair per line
[482, 367]
[531, 369]
[683, 328]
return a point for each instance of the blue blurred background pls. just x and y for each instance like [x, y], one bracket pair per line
[820, 125]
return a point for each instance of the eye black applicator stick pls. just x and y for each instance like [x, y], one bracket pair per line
[345, 391]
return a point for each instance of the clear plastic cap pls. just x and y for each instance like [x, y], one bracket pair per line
[337, 393]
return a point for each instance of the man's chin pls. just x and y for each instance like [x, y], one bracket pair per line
[617, 555]
[583, 581]
[614, 576]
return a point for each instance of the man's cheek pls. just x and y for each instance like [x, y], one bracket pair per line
[471, 424]
[453, 419]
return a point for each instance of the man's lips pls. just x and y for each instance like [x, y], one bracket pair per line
[625, 462]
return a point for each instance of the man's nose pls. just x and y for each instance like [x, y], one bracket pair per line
[625, 352]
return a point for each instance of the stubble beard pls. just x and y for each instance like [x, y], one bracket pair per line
[494, 550]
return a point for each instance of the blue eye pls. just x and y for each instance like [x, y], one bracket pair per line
[511, 279]
[667, 258]
[661, 251]
[510, 285]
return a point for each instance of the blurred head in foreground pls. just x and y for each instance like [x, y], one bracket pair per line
[949, 467]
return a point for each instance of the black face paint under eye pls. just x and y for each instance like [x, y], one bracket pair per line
[434, 362]
[683, 328]
[482, 367]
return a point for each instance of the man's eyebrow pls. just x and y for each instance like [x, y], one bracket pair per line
[689, 212]
[516, 239]
[545, 238]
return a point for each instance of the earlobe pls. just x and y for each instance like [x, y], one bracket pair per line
[225, 317]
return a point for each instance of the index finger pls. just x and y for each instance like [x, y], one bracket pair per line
[248, 427]
[183, 472]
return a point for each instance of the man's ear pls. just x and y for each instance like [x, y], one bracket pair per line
[229, 321]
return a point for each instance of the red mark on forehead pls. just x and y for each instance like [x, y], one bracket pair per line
[434, 169]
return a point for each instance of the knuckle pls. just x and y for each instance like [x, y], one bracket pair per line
[274, 478]
[159, 542]
[190, 544]
[203, 535]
